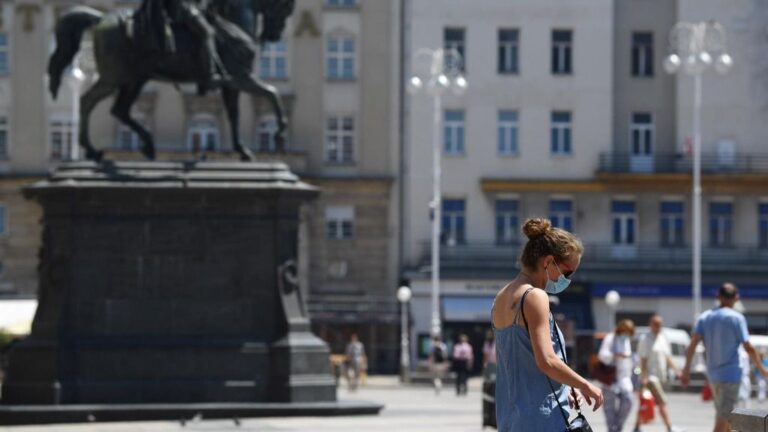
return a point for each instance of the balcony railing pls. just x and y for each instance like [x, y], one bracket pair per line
[711, 163]
[353, 308]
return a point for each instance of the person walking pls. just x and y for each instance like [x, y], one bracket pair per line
[438, 361]
[722, 330]
[463, 358]
[655, 353]
[534, 384]
[616, 350]
[355, 361]
[489, 351]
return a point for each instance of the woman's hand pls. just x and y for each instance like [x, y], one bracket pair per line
[574, 396]
[592, 394]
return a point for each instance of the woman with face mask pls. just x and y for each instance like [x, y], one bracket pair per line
[534, 385]
[616, 350]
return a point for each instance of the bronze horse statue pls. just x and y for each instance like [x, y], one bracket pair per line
[125, 68]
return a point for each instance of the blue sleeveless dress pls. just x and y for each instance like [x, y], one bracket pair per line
[524, 400]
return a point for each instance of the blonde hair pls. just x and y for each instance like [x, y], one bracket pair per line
[625, 326]
[544, 239]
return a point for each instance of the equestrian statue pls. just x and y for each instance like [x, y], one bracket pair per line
[210, 43]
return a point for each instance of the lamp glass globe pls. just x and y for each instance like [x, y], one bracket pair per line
[612, 299]
[705, 58]
[723, 63]
[403, 294]
[415, 84]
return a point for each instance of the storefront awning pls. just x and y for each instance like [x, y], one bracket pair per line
[467, 308]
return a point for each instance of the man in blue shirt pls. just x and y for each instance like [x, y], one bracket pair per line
[722, 329]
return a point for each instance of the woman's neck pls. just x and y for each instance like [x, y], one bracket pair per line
[537, 279]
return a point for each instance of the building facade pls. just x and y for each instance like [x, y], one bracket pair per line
[337, 71]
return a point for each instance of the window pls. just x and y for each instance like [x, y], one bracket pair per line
[762, 210]
[4, 56]
[203, 134]
[341, 3]
[720, 224]
[339, 222]
[453, 132]
[273, 61]
[561, 213]
[3, 137]
[453, 222]
[624, 222]
[3, 220]
[561, 133]
[340, 139]
[265, 135]
[641, 134]
[127, 139]
[642, 54]
[60, 136]
[507, 144]
[562, 47]
[453, 38]
[672, 223]
[340, 58]
[507, 221]
[508, 51]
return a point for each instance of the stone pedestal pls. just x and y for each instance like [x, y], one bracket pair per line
[169, 283]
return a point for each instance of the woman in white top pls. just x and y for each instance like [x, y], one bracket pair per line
[616, 350]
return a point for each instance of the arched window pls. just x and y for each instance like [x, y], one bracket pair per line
[203, 134]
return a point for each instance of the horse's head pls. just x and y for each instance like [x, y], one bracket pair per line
[274, 15]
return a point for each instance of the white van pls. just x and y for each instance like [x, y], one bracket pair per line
[679, 340]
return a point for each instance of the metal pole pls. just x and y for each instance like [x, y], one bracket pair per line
[696, 195]
[436, 216]
[404, 356]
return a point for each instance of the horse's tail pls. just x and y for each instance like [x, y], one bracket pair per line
[69, 33]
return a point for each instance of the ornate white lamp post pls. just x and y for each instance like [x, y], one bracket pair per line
[437, 71]
[76, 79]
[404, 296]
[695, 48]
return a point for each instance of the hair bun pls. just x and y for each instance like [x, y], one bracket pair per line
[537, 227]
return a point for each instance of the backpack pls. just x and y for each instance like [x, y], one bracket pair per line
[438, 354]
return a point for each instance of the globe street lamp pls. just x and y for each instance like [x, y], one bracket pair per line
[612, 299]
[435, 72]
[695, 48]
[404, 296]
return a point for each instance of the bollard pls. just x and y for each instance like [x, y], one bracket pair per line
[749, 420]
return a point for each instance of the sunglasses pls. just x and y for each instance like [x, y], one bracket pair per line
[567, 274]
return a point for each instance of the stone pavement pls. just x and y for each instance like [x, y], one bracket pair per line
[408, 409]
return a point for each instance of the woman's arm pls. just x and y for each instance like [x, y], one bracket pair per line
[536, 312]
[605, 354]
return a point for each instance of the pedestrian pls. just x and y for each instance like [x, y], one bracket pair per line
[761, 384]
[489, 351]
[722, 330]
[616, 350]
[655, 353]
[355, 361]
[534, 384]
[463, 358]
[438, 362]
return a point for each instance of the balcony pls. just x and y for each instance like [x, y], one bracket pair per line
[671, 163]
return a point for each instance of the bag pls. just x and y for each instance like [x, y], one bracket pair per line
[604, 373]
[579, 423]
[647, 407]
[438, 355]
[706, 392]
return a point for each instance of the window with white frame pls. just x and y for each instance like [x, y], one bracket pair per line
[340, 57]
[454, 222]
[720, 224]
[340, 140]
[127, 139]
[60, 138]
[5, 66]
[3, 137]
[339, 222]
[562, 52]
[642, 54]
[273, 60]
[641, 134]
[341, 3]
[672, 223]
[3, 219]
[561, 213]
[507, 132]
[203, 134]
[454, 39]
[762, 225]
[265, 135]
[508, 51]
[507, 221]
[453, 132]
[561, 133]
[624, 222]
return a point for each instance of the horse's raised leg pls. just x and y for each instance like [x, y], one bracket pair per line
[88, 102]
[121, 109]
[231, 98]
[255, 86]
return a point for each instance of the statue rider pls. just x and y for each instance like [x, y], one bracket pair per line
[153, 19]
